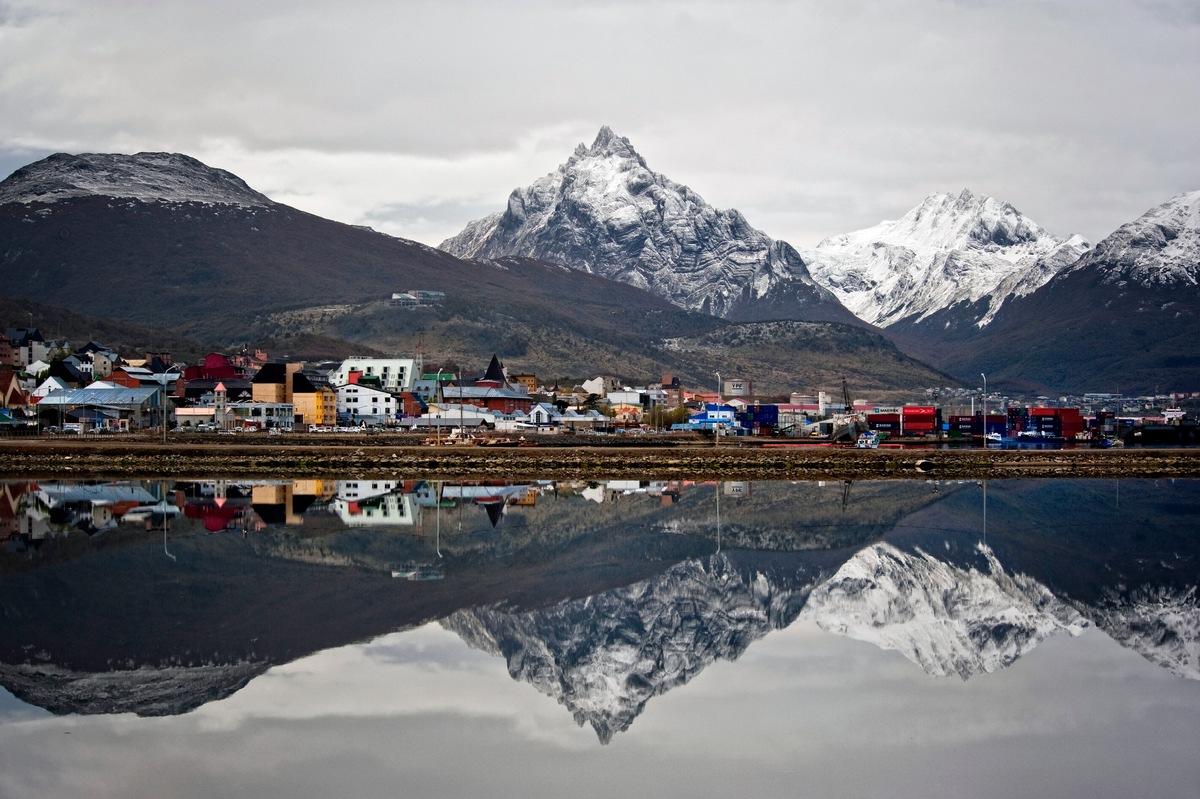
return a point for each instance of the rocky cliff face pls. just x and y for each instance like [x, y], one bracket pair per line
[605, 212]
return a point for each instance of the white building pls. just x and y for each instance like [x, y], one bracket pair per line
[363, 404]
[395, 374]
[736, 387]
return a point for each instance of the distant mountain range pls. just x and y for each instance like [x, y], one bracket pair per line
[605, 261]
[158, 240]
[963, 281]
[1124, 317]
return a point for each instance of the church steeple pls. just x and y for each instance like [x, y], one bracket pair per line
[494, 374]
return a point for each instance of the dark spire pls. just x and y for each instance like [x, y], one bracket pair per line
[495, 371]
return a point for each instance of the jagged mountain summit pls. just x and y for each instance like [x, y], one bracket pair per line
[149, 177]
[604, 211]
[950, 262]
[1159, 249]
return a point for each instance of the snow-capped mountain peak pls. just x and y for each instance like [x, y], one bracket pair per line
[606, 212]
[148, 177]
[962, 249]
[1159, 248]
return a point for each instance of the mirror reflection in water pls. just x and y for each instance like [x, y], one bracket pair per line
[946, 637]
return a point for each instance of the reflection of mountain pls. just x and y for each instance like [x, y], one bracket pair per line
[605, 606]
[163, 691]
[945, 618]
[1161, 624]
[606, 656]
[938, 595]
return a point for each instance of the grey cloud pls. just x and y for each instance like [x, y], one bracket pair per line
[790, 109]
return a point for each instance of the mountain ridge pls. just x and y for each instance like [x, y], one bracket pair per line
[148, 177]
[169, 251]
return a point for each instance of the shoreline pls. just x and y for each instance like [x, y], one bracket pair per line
[368, 456]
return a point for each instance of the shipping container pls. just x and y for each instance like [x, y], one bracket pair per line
[883, 417]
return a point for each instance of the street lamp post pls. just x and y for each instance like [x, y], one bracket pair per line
[162, 381]
[983, 405]
[437, 388]
[716, 425]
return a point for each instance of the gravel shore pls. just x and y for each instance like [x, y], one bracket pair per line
[267, 457]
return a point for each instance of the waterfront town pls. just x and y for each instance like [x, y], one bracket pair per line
[51, 387]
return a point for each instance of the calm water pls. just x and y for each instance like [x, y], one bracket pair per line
[357, 638]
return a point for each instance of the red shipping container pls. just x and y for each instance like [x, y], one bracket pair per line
[919, 410]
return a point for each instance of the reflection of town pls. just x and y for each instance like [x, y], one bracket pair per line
[600, 594]
[32, 512]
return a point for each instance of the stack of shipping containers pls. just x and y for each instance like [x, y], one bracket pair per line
[912, 420]
[1046, 422]
[920, 420]
[967, 426]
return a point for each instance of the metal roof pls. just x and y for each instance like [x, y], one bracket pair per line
[108, 397]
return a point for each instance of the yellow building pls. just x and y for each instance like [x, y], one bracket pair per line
[314, 405]
[283, 383]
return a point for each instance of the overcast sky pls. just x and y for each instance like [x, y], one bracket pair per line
[801, 713]
[812, 118]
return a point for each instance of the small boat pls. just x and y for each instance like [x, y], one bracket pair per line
[418, 572]
[500, 441]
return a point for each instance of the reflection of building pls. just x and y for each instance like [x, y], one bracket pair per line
[240, 506]
[378, 511]
[10, 504]
[362, 503]
[91, 508]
